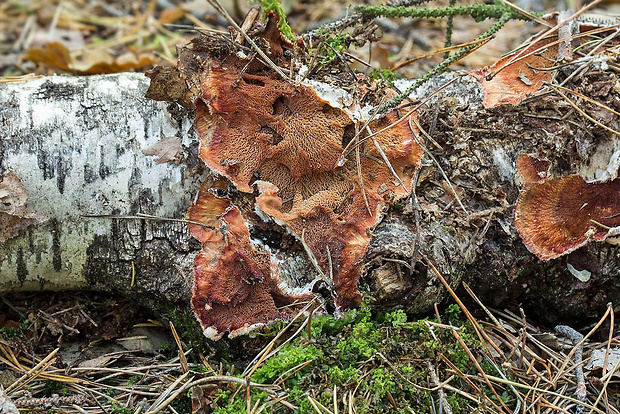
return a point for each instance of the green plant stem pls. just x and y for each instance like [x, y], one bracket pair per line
[352, 19]
[444, 64]
[449, 27]
[478, 11]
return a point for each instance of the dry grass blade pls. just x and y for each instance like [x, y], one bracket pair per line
[540, 390]
[386, 160]
[266, 351]
[177, 340]
[461, 375]
[313, 402]
[561, 370]
[586, 98]
[612, 319]
[526, 13]
[289, 373]
[480, 370]
[165, 398]
[315, 262]
[32, 373]
[438, 51]
[405, 117]
[604, 389]
[30, 76]
[576, 108]
[360, 177]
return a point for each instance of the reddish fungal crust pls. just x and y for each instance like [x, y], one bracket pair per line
[259, 130]
[334, 219]
[558, 215]
[236, 287]
[254, 126]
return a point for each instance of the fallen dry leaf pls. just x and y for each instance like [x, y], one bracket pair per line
[166, 149]
[93, 62]
[13, 213]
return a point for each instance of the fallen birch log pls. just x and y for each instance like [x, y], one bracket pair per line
[73, 147]
[76, 177]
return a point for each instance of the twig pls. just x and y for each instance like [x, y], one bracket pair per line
[351, 19]
[442, 395]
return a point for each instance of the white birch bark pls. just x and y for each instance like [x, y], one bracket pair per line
[76, 144]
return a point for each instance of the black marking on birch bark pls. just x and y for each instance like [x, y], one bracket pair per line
[2, 171]
[57, 91]
[56, 250]
[22, 270]
[104, 171]
[89, 174]
[61, 172]
[30, 239]
[43, 160]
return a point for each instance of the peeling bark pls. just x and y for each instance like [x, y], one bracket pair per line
[76, 145]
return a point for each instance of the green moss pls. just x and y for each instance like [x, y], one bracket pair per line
[289, 357]
[342, 376]
[116, 408]
[375, 353]
[381, 382]
[55, 387]
[238, 405]
[387, 77]
[182, 404]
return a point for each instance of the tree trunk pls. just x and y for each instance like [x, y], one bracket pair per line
[76, 145]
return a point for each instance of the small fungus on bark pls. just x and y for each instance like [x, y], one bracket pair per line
[236, 287]
[556, 216]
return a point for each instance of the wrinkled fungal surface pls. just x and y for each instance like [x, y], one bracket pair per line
[236, 287]
[556, 216]
[265, 128]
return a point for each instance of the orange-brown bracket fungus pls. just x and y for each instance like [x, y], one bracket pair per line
[255, 126]
[556, 216]
[236, 287]
[321, 170]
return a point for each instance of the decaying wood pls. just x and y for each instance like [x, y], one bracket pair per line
[77, 146]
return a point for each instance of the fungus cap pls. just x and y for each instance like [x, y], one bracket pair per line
[556, 216]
